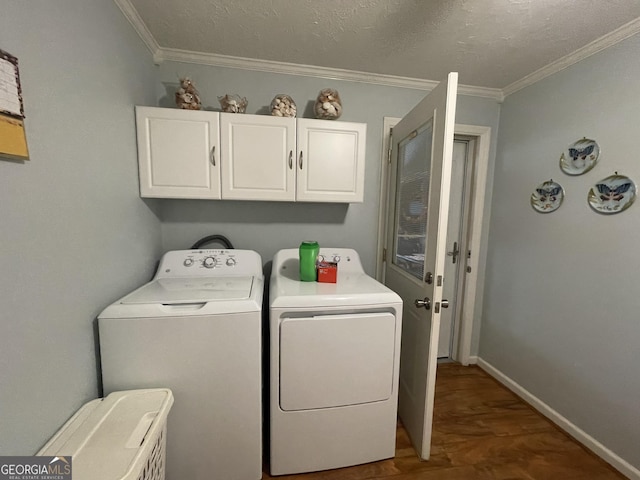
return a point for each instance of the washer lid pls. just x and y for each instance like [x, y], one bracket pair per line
[169, 291]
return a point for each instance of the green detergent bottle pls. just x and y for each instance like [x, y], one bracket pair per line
[308, 253]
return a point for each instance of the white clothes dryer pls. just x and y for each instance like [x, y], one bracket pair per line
[196, 329]
[334, 364]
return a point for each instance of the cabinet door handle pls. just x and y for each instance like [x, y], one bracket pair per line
[212, 156]
[300, 162]
[290, 159]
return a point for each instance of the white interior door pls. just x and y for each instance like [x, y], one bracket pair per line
[456, 245]
[420, 179]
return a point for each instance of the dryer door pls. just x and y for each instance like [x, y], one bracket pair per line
[336, 360]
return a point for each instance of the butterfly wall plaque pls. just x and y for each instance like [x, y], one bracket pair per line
[580, 157]
[612, 194]
[547, 197]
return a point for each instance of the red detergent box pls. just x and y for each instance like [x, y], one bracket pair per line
[327, 272]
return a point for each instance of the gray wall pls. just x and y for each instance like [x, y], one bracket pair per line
[562, 293]
[270, 226]
[75, 235]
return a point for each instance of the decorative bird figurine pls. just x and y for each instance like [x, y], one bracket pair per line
[187, 97]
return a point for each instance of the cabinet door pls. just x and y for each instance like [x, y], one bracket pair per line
[330, 163]
[178, 153]
[258, 157]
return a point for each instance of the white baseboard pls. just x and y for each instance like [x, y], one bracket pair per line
[580, 435]
[473, 359]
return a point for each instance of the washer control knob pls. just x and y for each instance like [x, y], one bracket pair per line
[209, 262]
[336, 258]
[231, 261]
[321, 258]
[188, 262]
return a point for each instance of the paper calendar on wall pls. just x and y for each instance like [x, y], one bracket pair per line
[13, 141]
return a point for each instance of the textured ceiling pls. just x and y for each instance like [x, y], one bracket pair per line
[491, 43]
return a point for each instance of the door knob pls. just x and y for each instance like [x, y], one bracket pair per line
[426, 303]
[445, 303]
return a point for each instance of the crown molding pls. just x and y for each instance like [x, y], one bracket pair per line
[184, 56]
[485, 92]
[622, 33]
[139, 26]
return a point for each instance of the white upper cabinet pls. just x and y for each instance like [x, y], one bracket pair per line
[330, 161]
[178, 153]
[197, 154]
[258, 155]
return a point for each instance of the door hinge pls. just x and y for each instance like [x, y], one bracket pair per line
[384, 254]
[390, 145]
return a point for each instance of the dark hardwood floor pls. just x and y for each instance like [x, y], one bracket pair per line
[481, 431]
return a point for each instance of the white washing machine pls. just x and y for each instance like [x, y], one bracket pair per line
[334, 362]
[196, 329]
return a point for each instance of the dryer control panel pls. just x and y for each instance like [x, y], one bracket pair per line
[209, 263]
[347, 259]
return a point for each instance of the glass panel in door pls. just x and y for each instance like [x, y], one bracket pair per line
[412, 194]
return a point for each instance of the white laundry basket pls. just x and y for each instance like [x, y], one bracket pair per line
[119, 437]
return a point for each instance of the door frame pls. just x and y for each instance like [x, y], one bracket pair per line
[474, 285]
